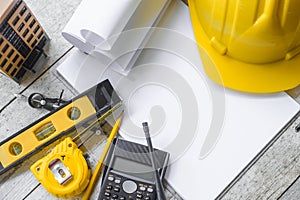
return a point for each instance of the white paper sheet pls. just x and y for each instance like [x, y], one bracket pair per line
[212, 133]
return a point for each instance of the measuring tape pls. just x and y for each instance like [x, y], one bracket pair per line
[96, 103]
[63, 172]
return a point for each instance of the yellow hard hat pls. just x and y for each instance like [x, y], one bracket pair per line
[249, 45]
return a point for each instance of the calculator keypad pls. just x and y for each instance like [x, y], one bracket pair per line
[121, 188]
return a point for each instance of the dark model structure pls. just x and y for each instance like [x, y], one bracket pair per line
[22, 40]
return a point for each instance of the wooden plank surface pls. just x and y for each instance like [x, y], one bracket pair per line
[293, 191]
[277, 168]
[270, 177]
[53, 23]
[15, 113]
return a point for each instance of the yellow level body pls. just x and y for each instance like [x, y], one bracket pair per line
[45, 130]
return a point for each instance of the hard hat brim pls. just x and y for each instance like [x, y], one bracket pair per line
[238, 75]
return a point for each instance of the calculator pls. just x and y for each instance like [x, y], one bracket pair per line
[129, 174]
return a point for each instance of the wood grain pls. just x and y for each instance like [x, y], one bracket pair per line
[274, 175]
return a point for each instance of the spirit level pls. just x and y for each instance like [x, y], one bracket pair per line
[96, 103]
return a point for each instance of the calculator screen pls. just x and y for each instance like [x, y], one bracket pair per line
[133, 168]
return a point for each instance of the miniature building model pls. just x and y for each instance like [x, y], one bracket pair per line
[22, 40]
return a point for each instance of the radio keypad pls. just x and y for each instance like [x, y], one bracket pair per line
[115, 189]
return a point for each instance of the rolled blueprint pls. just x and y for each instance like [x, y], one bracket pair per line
[96, 21]
[114, 30]
[131, 41]
[111, 18]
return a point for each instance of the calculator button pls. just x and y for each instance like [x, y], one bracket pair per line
[122, 198]
[150, 189]
[107, 194]
[110, 178]
[139, 196]
[142, 188]
[117, 181]
[109, 187]
[114, 196]
[129, 186]
[147, 198]
[116, 189]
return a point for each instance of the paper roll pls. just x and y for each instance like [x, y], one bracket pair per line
[78, 42]
[106, 19]
[115, 30]
[128, 44]
[95, 21]
[72, 34]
